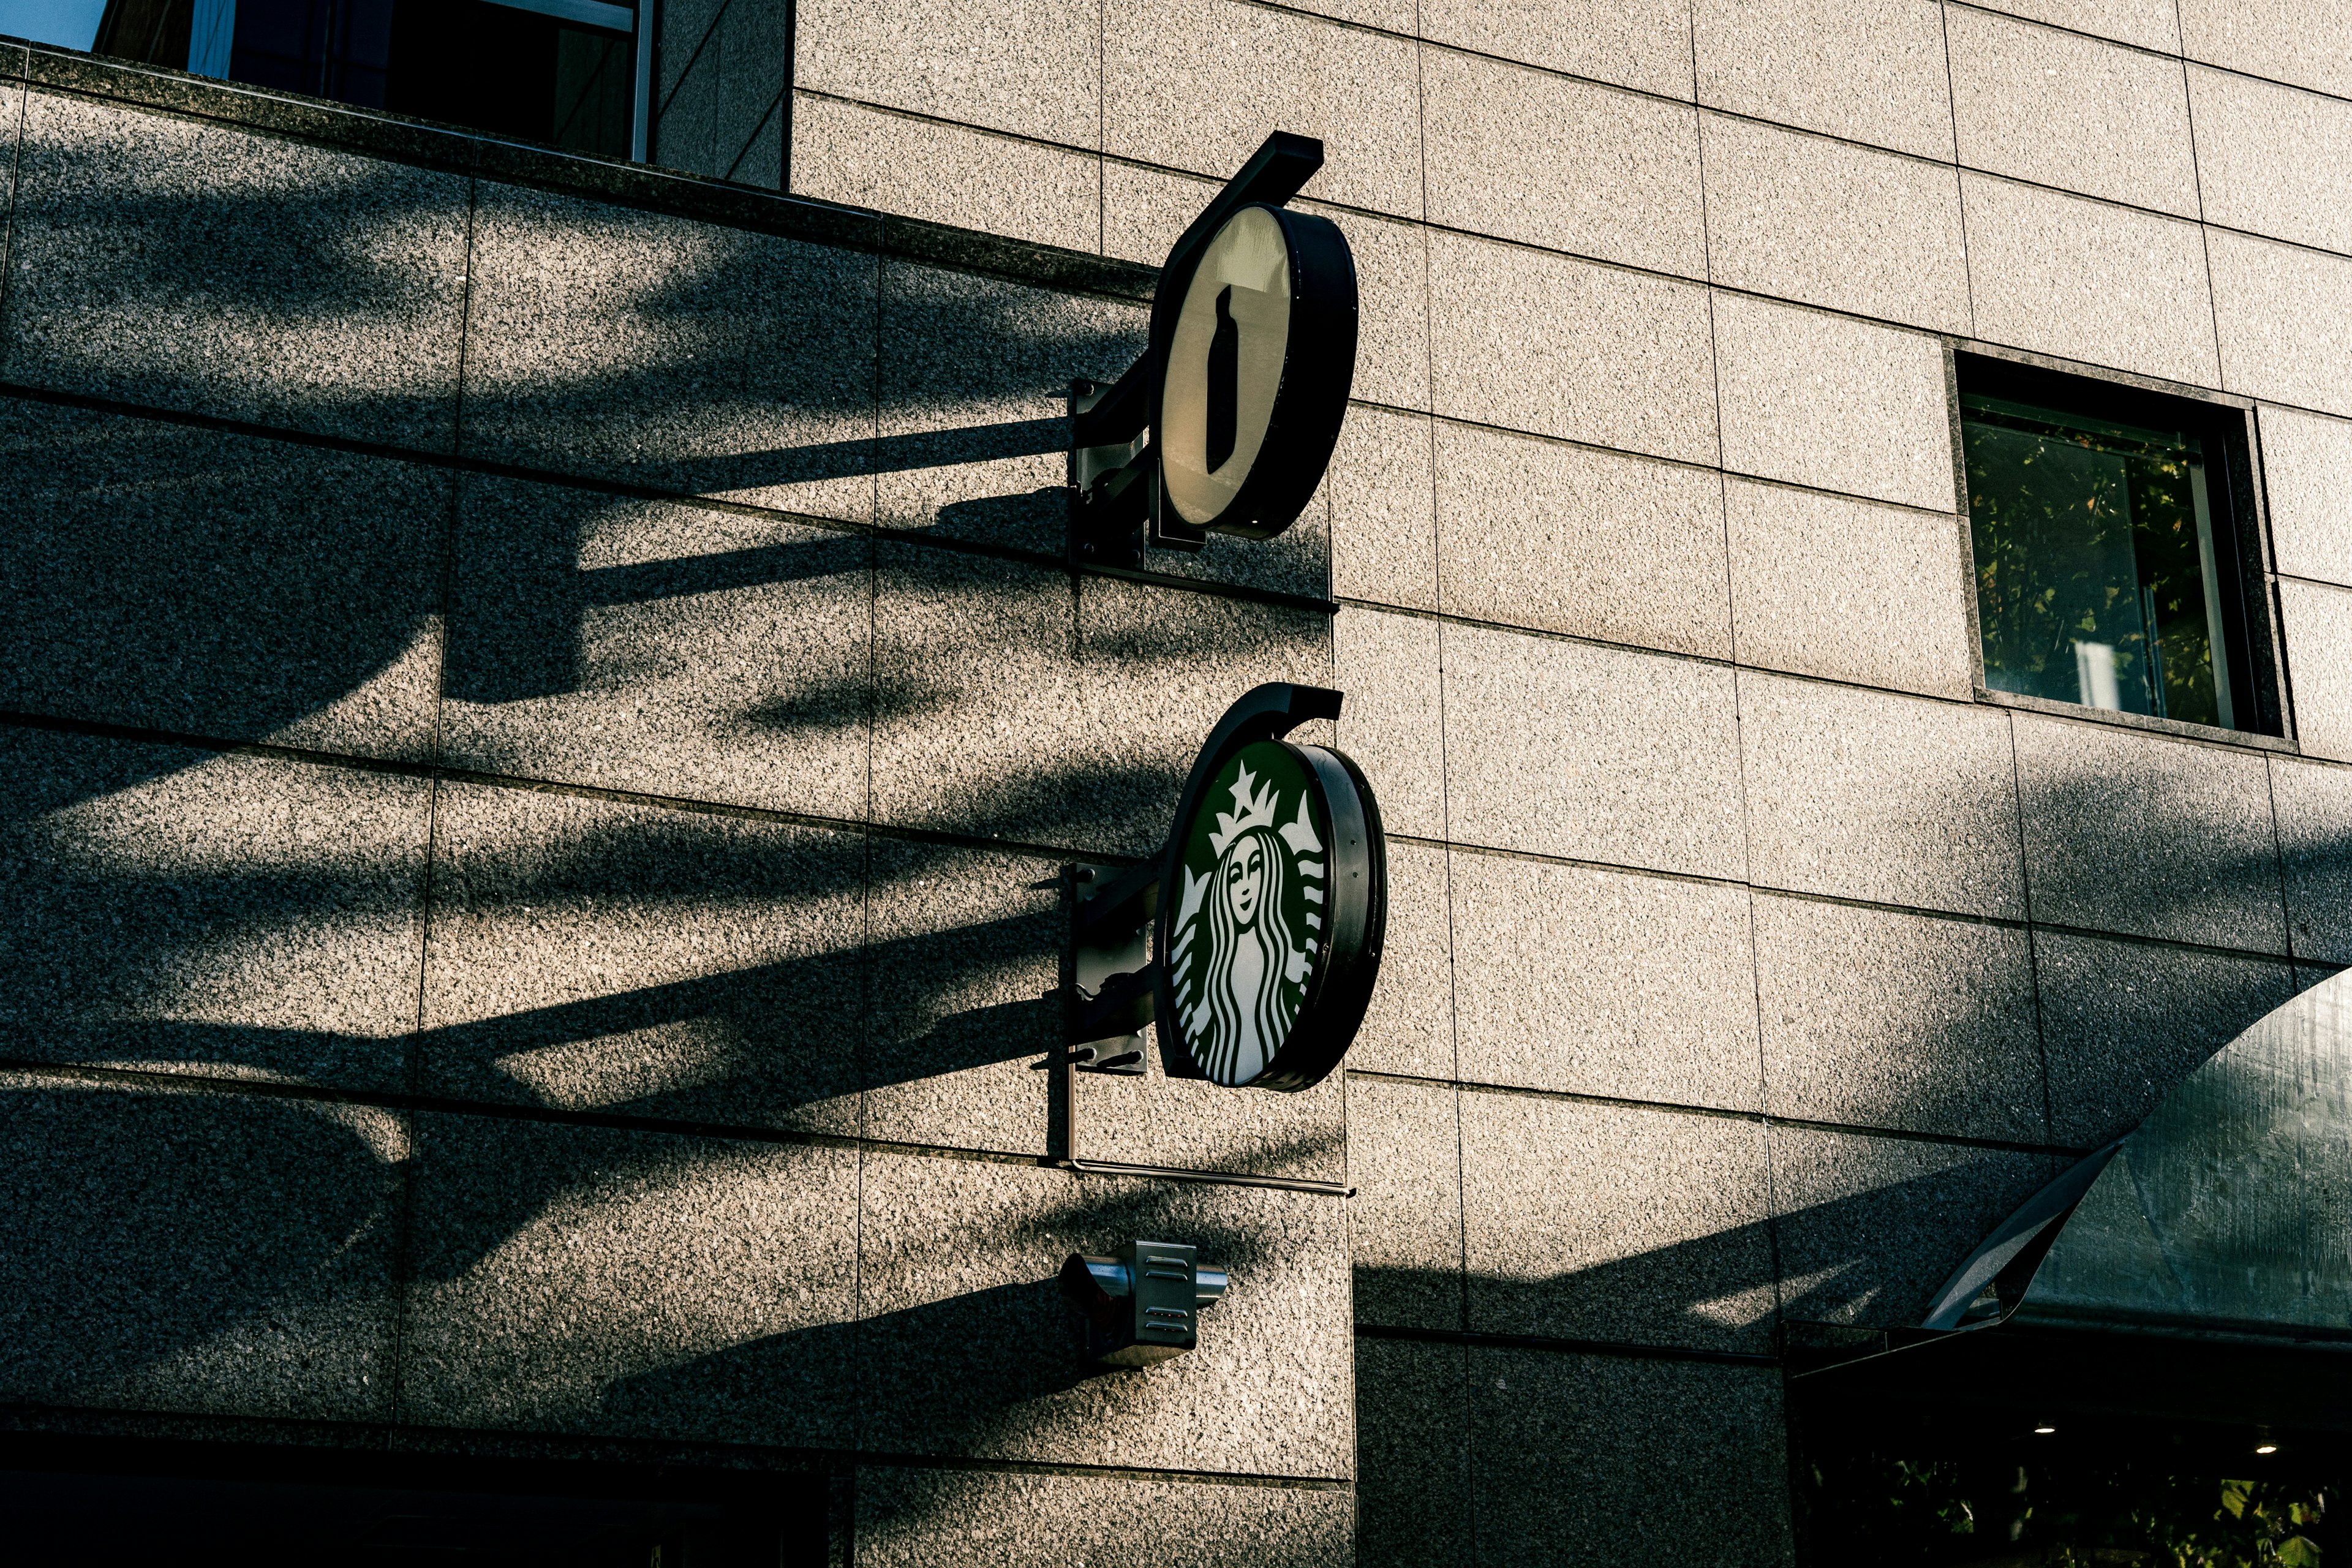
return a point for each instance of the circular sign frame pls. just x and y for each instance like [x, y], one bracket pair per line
[1272, 914]
[1281, 417]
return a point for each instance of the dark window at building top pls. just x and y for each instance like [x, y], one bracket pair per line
[328, 48]
[557, 71]
[2107, 525]
[512, 72]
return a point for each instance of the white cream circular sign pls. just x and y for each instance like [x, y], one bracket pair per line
[1255, 376]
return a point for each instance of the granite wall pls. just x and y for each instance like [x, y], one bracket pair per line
[545, 706]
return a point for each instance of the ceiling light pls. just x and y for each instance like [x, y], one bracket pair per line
[2267, 1448]
[2045, 1430]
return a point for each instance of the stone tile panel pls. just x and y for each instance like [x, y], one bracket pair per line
[2148, 836]
[1383, 510]
[1190, 1124]
[595, 955]
[1009, 65]
[211, 916]
[1404, 1224]
[1591, 753]
[1352, 89]
[2124, 1022]
[2066, 276]
[1850, 590]
[1876, 1018]
[658, 648]
[1413, 1453]
[1409, 1028]
[1592, 543]
[2146, 23]
[185, 265]
[1867, 70]
[1870, 1228]
[980, 1518]
[183, 1250]
[2314, 826]
[864, 157]
[2058, 109]
[964, 1005]
[2306, 471]
[2284, 320]
[1643, 44]
[1835, 403]
[1598, 1222]
[2307, 42]
[975, 381]
[976, 696]
[1597, 982]
[1391, 303]
[685, 357]
[206, 584]
[1530, 340]
[1825, 222]
[1392, 722]
[2273, 159]
[968, 1349]
[2317, 630]
[1534, 156]
[591, 1280]
[1859, 795]
[718, 87]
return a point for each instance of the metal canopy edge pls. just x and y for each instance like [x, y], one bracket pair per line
[2199, 1266]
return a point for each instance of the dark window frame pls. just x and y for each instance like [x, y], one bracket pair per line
[2246, 581]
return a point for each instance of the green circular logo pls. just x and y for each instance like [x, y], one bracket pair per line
[1249, 932]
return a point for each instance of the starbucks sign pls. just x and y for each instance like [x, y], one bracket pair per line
[1271, 910]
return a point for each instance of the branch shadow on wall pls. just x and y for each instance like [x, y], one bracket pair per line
[189, 1250]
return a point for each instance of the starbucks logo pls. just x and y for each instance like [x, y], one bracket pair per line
[1246, 945]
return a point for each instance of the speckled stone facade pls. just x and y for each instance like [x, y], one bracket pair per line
[543, 704]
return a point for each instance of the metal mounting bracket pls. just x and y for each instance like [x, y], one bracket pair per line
[1112, 976]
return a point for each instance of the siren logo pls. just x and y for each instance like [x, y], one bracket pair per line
[1249, 912]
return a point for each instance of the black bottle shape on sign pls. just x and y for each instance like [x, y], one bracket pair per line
[1224, 382]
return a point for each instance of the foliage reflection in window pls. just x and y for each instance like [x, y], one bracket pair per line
[2104, 561]
[2006, 1508]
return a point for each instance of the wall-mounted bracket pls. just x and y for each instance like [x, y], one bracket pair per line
[1113, 978]
[1115, 501]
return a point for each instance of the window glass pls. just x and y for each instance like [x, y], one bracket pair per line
[512, 72]
[530, 69]
[328, 48]
[2100, 562]
[2074, 1490]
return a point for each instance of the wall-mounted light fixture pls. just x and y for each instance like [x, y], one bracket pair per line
[1141, 1304]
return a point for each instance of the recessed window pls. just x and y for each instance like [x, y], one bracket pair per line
[558, 72]
[2107, 526]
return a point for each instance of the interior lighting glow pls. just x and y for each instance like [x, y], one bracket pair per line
[2267, 1448]
[2046, 1431]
